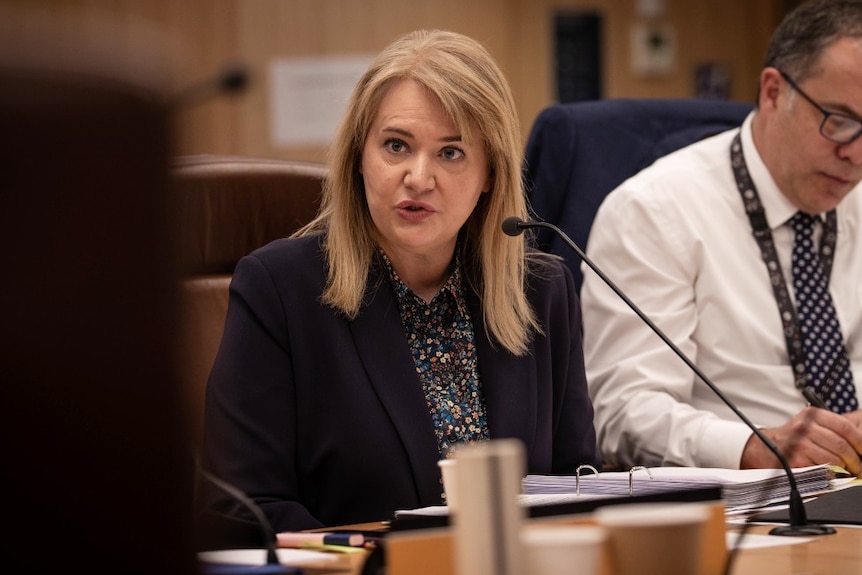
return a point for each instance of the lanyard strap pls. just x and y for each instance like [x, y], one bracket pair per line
[763, 235]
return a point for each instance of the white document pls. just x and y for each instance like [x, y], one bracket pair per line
[286, 556]
[740, 488]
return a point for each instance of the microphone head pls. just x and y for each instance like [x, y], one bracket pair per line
[233, 78]
[512, 226]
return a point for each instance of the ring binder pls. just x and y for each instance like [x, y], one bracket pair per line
[632, 476]
[741, 488]
[578, 476]
[596, 473]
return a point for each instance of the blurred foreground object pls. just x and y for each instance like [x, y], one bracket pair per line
[96, 467]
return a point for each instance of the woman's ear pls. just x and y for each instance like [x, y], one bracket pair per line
[489, 183]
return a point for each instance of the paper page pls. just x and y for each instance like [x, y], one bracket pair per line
[290, 557]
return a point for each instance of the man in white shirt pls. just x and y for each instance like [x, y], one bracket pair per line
[677, 238]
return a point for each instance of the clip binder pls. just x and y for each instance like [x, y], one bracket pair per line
[578, 476]
[632, 476]
[741, 489]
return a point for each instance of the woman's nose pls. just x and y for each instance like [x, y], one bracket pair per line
[419, 175]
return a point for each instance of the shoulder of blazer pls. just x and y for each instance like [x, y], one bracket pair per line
[302, 251]
[297, 262]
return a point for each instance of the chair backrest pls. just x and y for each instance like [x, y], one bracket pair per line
[230, 205]
[578, 152]
[226, 207]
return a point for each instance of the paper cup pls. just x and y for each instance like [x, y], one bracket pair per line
[563, 549]
[448, 469]
[654, 538]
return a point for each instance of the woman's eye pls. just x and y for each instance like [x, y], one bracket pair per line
[452, 153]
[395, 145]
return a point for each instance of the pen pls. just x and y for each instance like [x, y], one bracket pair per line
[297, 540]
[833, 372]
[813, 398]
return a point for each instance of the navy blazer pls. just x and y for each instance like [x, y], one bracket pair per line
[323, 421]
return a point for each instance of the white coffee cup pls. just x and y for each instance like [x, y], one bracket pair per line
[563, 549]
[448, 469]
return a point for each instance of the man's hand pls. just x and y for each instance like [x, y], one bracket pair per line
[813, 436]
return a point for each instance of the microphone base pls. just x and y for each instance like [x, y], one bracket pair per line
[806, 530]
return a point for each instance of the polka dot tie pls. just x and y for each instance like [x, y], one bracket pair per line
[827, 361]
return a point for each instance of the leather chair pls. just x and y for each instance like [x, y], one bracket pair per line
[226, 207]
[578, 152]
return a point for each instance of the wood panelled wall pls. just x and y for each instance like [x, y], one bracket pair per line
[204, 35]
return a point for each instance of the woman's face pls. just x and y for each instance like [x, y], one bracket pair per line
[422, 181]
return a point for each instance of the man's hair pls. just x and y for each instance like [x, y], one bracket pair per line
[799, 41]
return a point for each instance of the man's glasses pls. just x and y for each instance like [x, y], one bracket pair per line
[835, 127]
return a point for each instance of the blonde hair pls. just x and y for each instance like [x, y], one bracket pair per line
[474, 93]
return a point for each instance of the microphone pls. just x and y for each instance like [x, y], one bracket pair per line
[799, 525]
[267, 533]
[232, 79]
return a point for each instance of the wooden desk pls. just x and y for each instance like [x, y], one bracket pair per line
[838, 554]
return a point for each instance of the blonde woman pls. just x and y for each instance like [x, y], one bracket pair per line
[401, 322]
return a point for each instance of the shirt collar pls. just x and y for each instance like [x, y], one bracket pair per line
[778, 208]
[453, 283]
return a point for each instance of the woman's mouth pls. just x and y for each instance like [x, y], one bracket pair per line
[413, 212]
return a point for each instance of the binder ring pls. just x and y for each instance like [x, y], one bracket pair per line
[578, 476]
[632, 474]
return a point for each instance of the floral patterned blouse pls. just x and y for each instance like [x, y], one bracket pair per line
[441, 337]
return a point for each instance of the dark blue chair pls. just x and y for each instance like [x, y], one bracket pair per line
[578, 152]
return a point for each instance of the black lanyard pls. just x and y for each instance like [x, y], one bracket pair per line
[760, 229]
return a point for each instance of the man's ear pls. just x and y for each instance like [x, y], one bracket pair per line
[771, 84]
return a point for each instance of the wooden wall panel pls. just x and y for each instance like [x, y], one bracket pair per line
[208, 34]
[271, 29]
[732, 32]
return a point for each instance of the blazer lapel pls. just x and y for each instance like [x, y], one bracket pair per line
[379, 337]
[509, 384]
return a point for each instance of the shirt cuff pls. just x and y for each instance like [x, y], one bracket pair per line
[722, 444]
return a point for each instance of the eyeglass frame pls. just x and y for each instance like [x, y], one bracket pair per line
[826, 114]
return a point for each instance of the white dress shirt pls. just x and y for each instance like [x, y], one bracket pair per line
[676, 239]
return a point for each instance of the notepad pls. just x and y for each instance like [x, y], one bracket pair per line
[741, 489]
[288, 557]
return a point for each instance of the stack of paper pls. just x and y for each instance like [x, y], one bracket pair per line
[741, 489]
[842, 507]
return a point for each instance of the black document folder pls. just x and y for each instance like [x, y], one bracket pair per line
[406, 521]
[839, 507]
